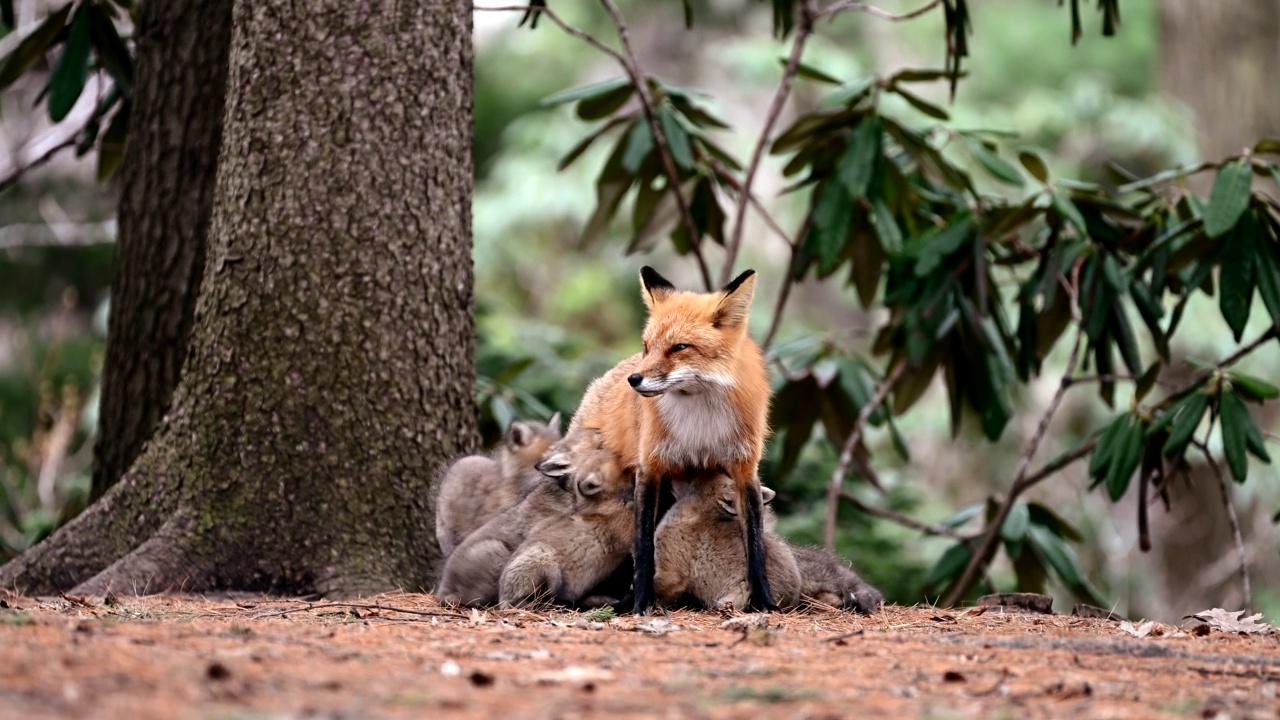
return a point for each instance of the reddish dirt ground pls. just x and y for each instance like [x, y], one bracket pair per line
[404, 655]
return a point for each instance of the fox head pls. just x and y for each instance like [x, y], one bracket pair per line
[692, 340]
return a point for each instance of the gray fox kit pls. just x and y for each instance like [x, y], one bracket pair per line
[827, 580]
[476, 488]
[563, 558]
[701, 558]
[471, 573]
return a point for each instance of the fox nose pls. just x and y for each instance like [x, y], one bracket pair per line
[635, 379]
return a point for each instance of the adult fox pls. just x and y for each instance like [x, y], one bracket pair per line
[695, 398]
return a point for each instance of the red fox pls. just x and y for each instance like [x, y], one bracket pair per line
[696, 398]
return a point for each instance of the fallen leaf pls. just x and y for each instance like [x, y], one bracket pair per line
[539, 654]
[1232, 622]
[573, 674]
[1139, 631]
[746, 622]
[657, 627]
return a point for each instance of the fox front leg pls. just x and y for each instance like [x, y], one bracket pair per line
[751, 500]
[642, 548]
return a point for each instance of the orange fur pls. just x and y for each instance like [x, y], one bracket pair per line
[633, 426]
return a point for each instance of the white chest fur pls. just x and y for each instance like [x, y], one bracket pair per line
[702, 430]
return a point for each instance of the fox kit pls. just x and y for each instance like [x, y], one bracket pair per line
[700, 550]
[477, 487]
[825, 579]
[564, 558]
[696, 398]
[471, 572]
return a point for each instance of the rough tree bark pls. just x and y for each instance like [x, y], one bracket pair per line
[331, 366]
[166, 200]
[1220, 58]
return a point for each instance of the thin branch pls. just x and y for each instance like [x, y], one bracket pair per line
[728, 179]
[1057, 464]
[362, 606]
[785, 293]
[877, 12]
[900, 519]
[850, 444]
[16, 174]
[979, 561]
[632, 65]
[1100, 379]
[560, 23]
[57, 234]
[1232, 519]
[803, 30]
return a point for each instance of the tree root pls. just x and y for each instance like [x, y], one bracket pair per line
[80, 549]
[163, 563]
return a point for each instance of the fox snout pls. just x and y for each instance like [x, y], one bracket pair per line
[648, 386]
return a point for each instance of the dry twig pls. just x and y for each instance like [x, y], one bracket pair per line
[846, 453]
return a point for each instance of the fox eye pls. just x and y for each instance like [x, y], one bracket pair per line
[678, 347]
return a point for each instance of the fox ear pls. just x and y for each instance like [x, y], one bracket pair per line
[767, 494]
[554, 423]
[656, 287]
[735, 306]
[518, 434]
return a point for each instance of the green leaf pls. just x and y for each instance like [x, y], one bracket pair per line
[1147, 381]
[858, 164]
[1014, 528]
[1068, 211]
[867, 262]
[949, 566]
[918, 75]
[847, 95]
[811, 73]
[585, 92]
[1053, 522]
[996, 166]
[1253, 388]
[922, 105]
[1267, 146]
[1106, 448]
[962, 516]
[1034, 164]
[1062, 559]
[111, 146]
[1235, 277]
[1235, 419]
[69, 75]
[1229, 197]
[832, 213]
[576, 151]
[34, 46]
[1125, 460]
[886, 227]
[1189, 412]
[944, 244]
[639, 143]
[1267, 274]
[677, 138]
[110, 48]
[598, 107]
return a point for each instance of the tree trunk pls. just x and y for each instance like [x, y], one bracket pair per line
[1219, 58]
[166, 200]
[331, 365]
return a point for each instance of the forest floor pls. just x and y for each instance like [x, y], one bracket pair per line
[401, 655]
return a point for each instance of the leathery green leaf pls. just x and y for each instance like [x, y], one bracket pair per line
[1235, 419]
[1229, 197]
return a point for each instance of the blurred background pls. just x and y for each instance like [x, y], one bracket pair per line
[1178, 83]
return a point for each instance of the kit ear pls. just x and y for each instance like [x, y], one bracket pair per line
[554, 423]
[656, 287]
[735, 306]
